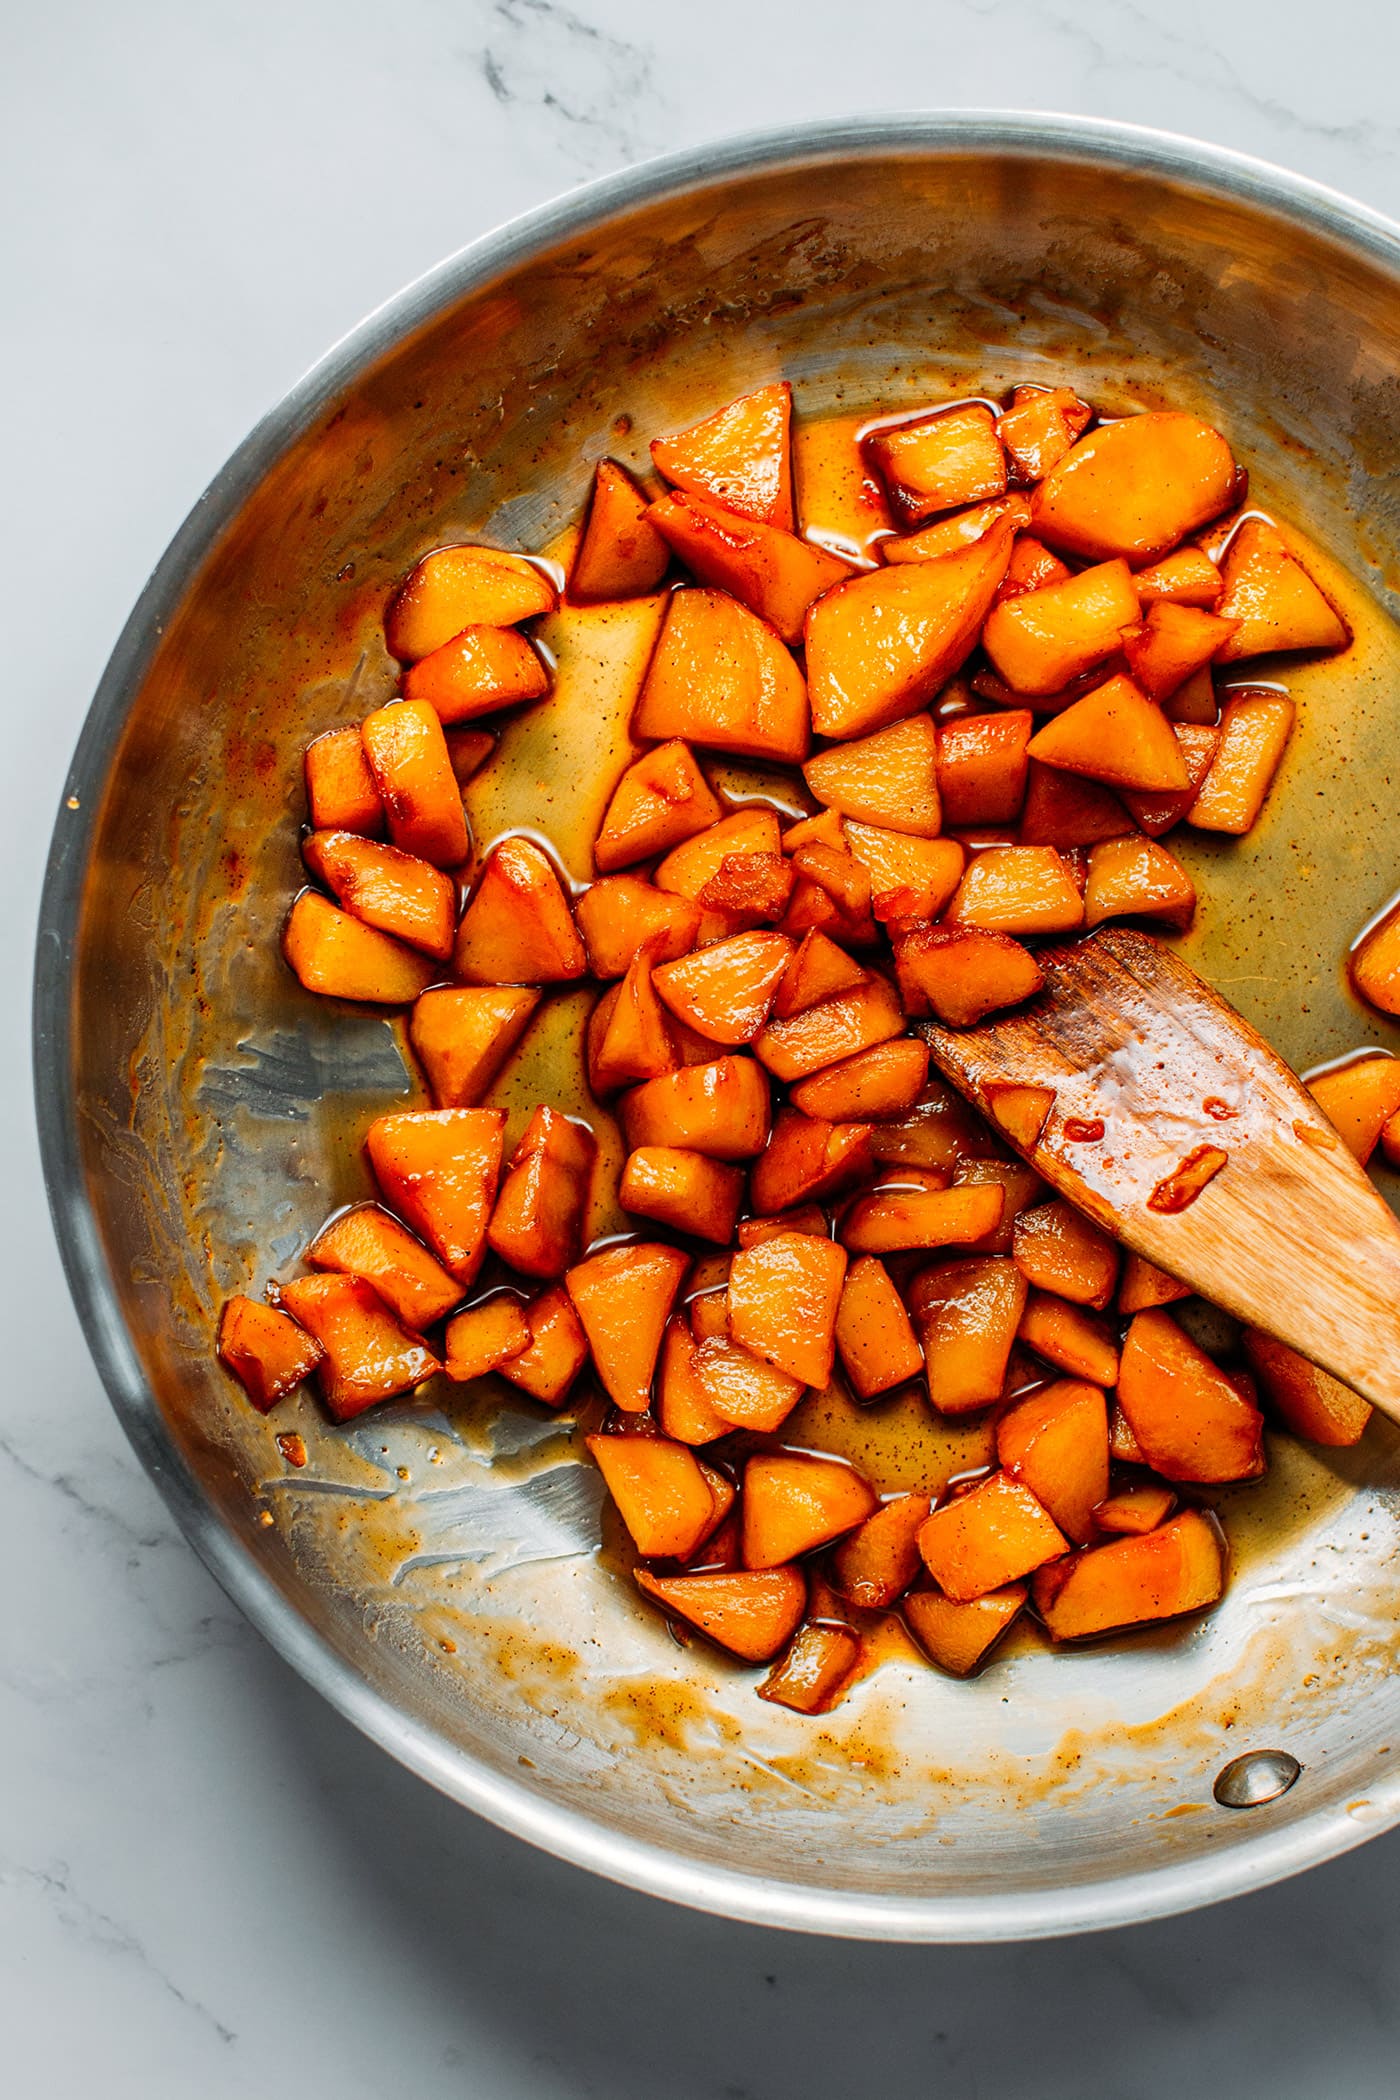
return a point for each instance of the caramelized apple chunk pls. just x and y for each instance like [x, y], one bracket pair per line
[621, 553]
[267, 1352]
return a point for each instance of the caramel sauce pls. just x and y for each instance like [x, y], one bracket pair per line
[1179, 1189]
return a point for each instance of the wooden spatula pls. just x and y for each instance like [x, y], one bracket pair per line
[1142, 1096]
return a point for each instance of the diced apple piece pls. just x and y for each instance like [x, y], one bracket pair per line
[743, 1391]
[682, 1407]
[938, 1132]
[1144, 1286]
[892, 1220]
[1312, 1403]
[949, 534]
[1058, 1249]
[803, 1217]
[463, 1036]
[518, 928]
[840, 502]
[885, 1081]
[808, 1158]
[1064, 811]
[368, 1355]
[1178, 1568]
[1123, 1447]
[621, 554]
[1273, 598]
[1190, 1421]
[740, 456]
[1056, 1442]
[750, 887]
[385, 888]
[1358, 1099]
[340, 789]
[1254, 729]
[818, 970]
[1039, 428]
[725, 992]
[928, 870]
[826, 1034]
[1042, 639]
[683, 1190]
[1375, 965]
[1017, 890]
[267, 1352]
[660, 1490]
[623, 1298]
[439, 1169]
[982, 766]
[811, 1676]
[966, 1314]
[1137, 878]
[889, 778]
[1020, 1185]
[1135, 1510]
[708, 1304]
[988, 1538]
[1188, 577]
[940, 461]
[874, 1336]
[408, 757]
[1135, 487]
[662, 799]
[813, 909]
[874, 1564]
[959, 1636]
[365, 1241]
[342, 958]
[783, 1296]
[457, 587]
[685, 871]
[960, 973]
[1115, 735]
[720, 677]
[1156, 814]
[486, 1337]
[846, 887]
[881, 645]
[772, 572]
[795, 1501]
[1021, 1112]
[537, 1224]
[557, 1352]
[478, 671]
[1195, 701]
[1172, 645]
[720, 1109]
[1390, 1140]
[1031, 568]
[621, 915]
[752, 1614]
[1077, 1342]
[467, 752]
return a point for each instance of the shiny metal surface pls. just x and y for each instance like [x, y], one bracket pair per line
[1256, 1778]
[432, 1570]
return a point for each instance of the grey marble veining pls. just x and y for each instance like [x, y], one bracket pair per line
[208, 1883]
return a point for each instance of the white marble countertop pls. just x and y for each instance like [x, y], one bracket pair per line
[208, 1882]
